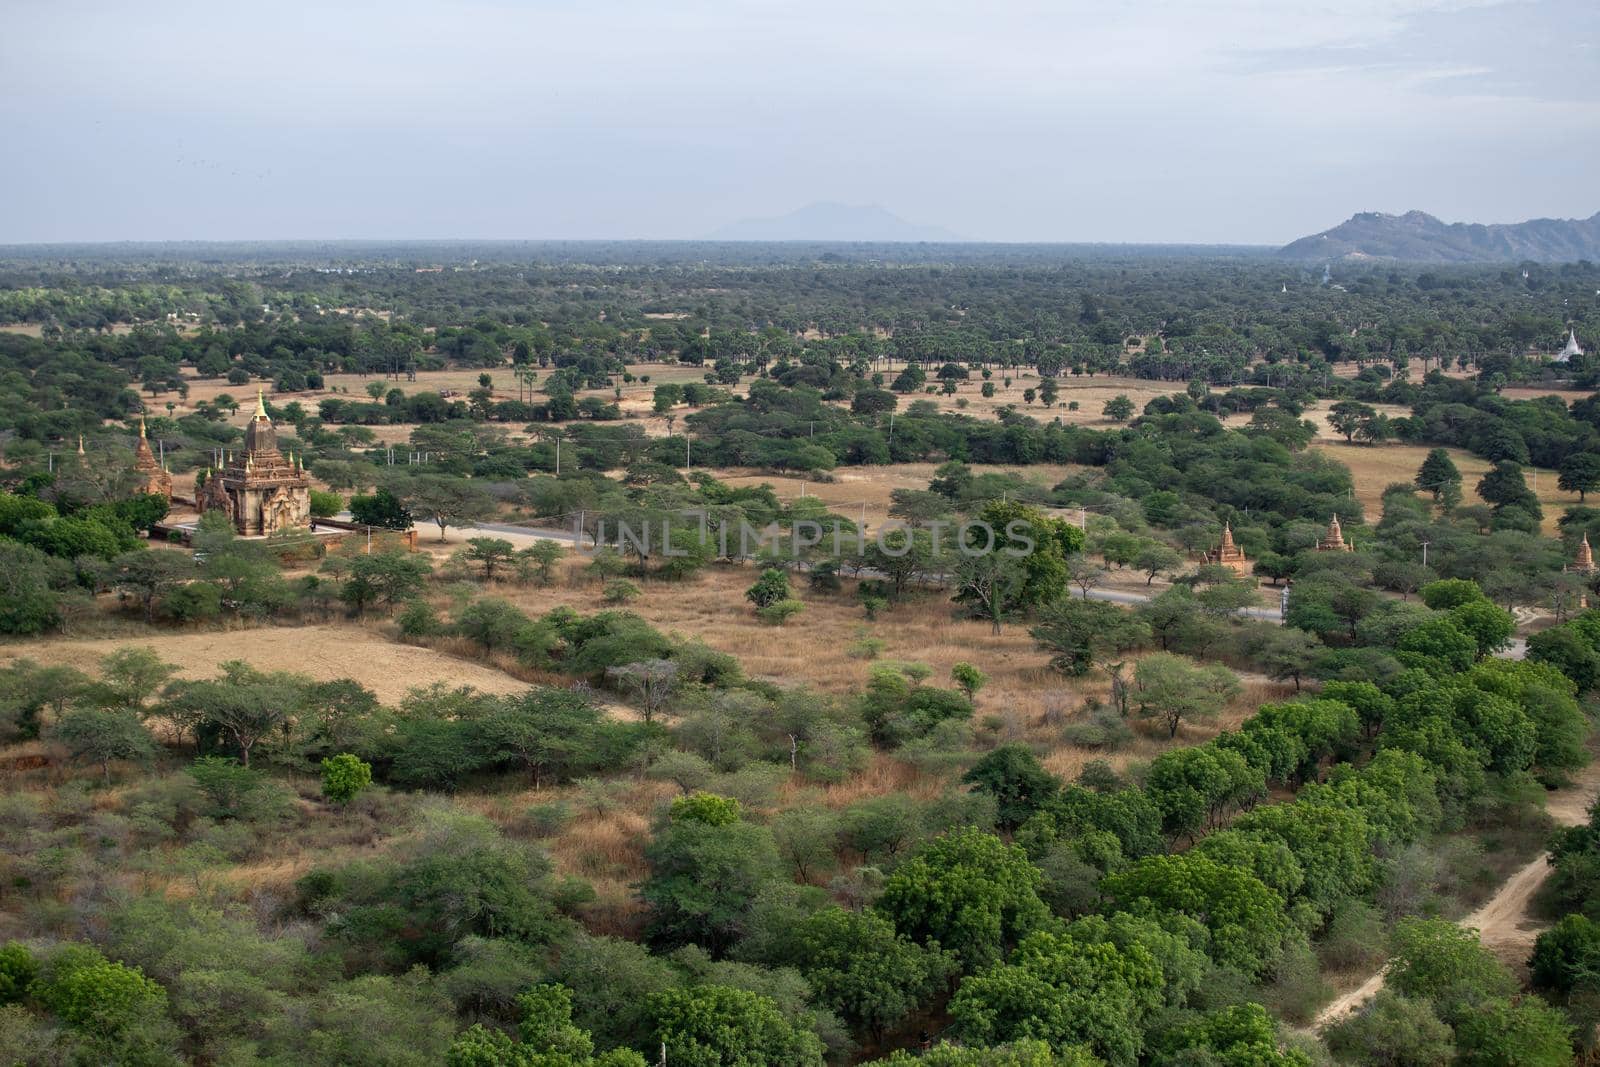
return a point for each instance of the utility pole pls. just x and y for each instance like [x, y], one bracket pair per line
[1425, 554]
[687, 466]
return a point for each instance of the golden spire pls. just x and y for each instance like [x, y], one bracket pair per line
[1227, 536]
[261, 404]
[1585, 555]
[141, 425]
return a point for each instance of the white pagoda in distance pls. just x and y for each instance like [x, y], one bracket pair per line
[1571, 350]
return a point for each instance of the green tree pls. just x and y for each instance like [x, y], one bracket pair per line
[1579, 473]
[705, 874]
[1395, 1031]
[447, 501]
[1118, 409]
[325, 504]
[28, 603]
[1503, 487]
[1067, 992]
[1566, 957]
[343, 776]
[540, 558]
[1013, 775]
[1439, 477]
[770, 588]
[1247, 921]
[719, 1026]
[18, 969]
[969, 892]
[130, 677]
[101, 735]
[1155, 558]
[1489, 627]
[863, 970]
[990, 585]
[1026, 1053]
[387, 578]
[1348, 416]
[1436, 960]
[1174, 690]
[1286, 653]
[968, 679]
[491, 553]
[1437, 645]
[1526, 1032]
[382, 509]
[107, 1001]
[1242, 1034]
[147, 575]
[553, 733]
[1083, 634]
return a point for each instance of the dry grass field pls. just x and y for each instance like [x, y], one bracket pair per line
[346, 650]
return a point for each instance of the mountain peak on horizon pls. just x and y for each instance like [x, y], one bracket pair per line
[1419, 236]
[832, 221]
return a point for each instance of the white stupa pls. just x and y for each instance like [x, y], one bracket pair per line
[1571, 350]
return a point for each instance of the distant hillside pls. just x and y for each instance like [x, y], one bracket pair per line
[833, 222]
[1419, 236]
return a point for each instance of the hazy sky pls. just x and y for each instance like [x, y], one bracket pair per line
[1079, 120]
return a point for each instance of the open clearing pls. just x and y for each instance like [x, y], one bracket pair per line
[387, 668]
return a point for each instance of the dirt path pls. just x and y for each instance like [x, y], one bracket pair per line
[1505, 923]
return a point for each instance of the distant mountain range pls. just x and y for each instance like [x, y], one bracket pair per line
[833, 222]
[1419, 237]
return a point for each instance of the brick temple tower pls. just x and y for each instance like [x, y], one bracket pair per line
[1583, 562]
[1229, 555]
[261, 491]
[154, 479]
[1333, 540]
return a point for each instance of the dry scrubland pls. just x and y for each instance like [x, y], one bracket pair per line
[604, 842]
[1023, 700]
